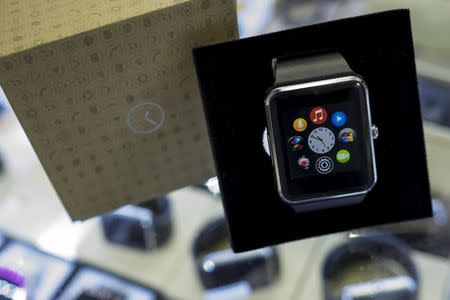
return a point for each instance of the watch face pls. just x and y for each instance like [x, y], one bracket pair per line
[321, 138]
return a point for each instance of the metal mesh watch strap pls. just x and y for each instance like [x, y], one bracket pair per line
[310, 68]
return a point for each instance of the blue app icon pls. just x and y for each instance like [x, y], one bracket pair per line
[339, 118]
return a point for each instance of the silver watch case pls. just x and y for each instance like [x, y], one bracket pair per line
[291, 200]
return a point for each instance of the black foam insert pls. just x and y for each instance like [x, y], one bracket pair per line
[234, 79]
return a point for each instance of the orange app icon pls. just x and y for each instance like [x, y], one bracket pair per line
[300, 124]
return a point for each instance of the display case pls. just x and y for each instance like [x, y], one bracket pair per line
[118, 255]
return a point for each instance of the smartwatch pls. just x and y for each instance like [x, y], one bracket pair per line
[320, 132]
[219, 268]
[365, 268]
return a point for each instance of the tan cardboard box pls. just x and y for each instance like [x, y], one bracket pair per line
[107, 94]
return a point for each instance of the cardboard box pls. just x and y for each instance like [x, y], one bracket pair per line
[107, 94]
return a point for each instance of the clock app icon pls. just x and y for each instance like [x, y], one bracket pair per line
[321, 140]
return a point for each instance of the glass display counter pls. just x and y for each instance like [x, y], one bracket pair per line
[118, 256]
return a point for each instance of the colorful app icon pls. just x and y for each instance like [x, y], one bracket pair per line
[296, 143]
[339, 119]
[343, 156]
[300, 125]
[324, 165]
[347, 135]
[318, 115]
[304, 163]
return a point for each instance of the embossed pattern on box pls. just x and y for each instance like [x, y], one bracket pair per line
[113, 112]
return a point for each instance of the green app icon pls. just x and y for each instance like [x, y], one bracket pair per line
[343, 156]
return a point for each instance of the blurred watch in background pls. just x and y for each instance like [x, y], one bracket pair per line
[146, 226]
[431, 235]
[366, 268]
[92, 284]
[225, 274]
[101, 293]
[293, 13]
[435, 100]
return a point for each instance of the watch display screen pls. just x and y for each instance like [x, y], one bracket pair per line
[322, 139]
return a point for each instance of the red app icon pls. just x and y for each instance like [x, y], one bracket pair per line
[318, 115]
